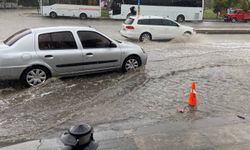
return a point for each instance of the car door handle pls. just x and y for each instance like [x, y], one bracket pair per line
[90, 54]
[49, 56]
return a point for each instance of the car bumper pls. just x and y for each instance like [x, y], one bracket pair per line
[11, 73]
[144, 59]
[128, 34]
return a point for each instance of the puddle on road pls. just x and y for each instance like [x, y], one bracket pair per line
[153, 93]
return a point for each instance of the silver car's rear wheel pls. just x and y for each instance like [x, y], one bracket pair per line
[131, 64]
[35, 75]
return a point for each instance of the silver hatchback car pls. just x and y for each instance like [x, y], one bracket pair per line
[34, 55]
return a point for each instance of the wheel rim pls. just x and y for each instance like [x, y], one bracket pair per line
[180, 19]
[53, 15]
[83, 16]
[146, 37]
[131, 64]
[35, 77]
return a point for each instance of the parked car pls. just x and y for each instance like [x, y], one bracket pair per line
[34, 55]
[153, 28]
[237, 15]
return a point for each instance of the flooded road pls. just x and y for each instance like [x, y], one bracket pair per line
[219, 64]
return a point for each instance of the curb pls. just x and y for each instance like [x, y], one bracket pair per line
[223, 31]
[198, 30]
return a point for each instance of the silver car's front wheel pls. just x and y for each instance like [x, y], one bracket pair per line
[35, 76]
[131, 64]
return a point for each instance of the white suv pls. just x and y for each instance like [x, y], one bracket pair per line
[153, 28]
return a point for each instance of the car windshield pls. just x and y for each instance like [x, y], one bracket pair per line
[17, 36]
[129, 21]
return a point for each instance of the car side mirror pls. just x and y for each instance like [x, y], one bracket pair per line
[112, 45]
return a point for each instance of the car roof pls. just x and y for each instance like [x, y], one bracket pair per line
[150, 17]
[60, 28]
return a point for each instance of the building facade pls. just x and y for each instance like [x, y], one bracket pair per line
[8, 3]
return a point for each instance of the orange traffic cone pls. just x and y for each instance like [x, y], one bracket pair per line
[192, 102]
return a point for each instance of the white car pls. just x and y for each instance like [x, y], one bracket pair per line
[34, 55]
[153, 28]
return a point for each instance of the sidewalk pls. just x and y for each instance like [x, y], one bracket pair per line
[208, 134]
[204, 134]
[223, 30]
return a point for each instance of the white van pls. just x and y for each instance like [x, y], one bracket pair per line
[78, 10]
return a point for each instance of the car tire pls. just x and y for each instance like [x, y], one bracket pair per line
[83, 16]
[35, 75]
[53, 14]
[180, 18]
[131, 63]
[145, 37]
[187, 34]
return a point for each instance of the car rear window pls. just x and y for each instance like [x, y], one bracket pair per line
[157, 22]
[129, 21]
[144, 22]
[169, 23]
[17, 36]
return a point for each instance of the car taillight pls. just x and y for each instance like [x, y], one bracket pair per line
[130, 27]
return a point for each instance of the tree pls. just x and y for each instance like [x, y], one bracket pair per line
[245, 4]
[219, 5]
[28, 2]
[224, 4]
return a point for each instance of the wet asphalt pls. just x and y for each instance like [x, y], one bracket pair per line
[219, 64]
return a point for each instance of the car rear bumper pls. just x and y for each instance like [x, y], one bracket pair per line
[11, 73]
[128, 34]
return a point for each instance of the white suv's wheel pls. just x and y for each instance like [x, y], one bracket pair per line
[187, 34]
[145, 37]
